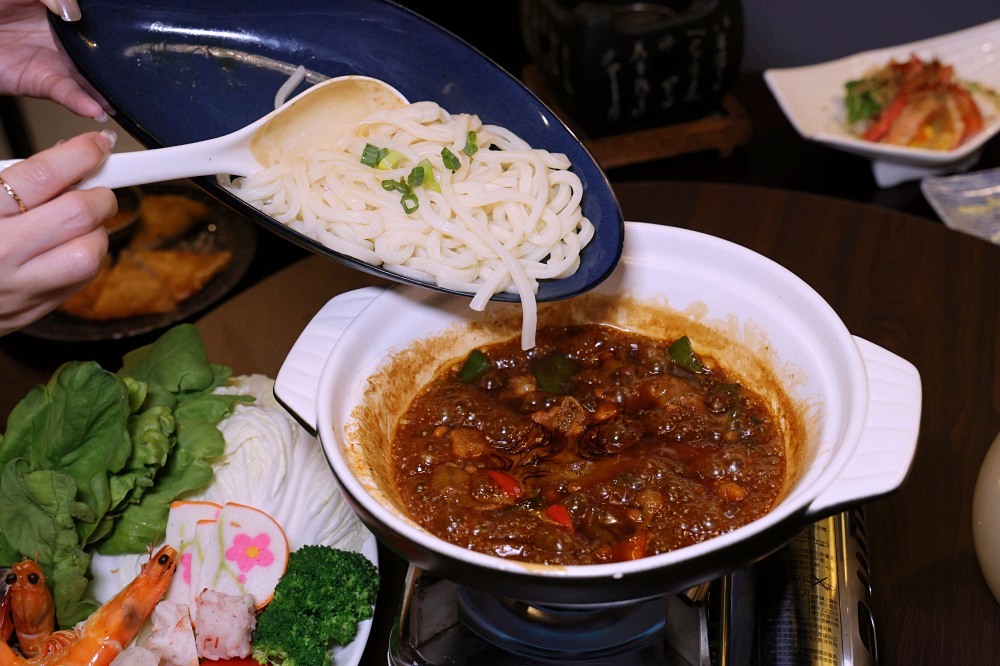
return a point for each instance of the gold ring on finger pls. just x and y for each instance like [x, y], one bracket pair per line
[13, 195]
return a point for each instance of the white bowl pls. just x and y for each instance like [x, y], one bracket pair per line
[812, 98]
[967, 202]
[362, 358]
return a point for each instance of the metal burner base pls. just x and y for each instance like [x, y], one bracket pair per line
[560, 634]
[441, 623]
[805, 605]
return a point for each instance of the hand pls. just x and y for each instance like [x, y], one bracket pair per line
[32, 64]
[56, 245]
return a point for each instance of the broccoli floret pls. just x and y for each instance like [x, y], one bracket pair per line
[317, 604]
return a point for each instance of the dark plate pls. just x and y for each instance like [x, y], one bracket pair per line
[178, 71]
[225, 231]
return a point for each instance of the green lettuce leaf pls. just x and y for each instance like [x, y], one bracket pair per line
[97, 457]
[176, 373]
[175, 367]
[44, 524]
[75, 424]
[152, 434]
[188, 469]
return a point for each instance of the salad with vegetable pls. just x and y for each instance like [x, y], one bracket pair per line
[917, 103]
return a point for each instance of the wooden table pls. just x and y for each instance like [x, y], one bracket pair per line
[924, 292]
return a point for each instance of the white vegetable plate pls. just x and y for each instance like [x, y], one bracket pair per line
[335, 524]
[812, 98]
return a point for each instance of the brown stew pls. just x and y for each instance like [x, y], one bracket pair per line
[598, 445]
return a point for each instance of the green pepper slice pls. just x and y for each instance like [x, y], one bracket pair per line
[553, 372]
[684, 357]
[475, 366]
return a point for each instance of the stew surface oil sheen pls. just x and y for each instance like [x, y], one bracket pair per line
[598, 445]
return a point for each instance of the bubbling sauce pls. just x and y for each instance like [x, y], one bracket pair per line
[598, 445]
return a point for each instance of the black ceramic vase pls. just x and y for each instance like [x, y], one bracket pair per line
[618, 66]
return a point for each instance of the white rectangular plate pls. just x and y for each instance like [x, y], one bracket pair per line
[813, 97]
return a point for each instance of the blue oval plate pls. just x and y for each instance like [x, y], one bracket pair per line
[179, 71]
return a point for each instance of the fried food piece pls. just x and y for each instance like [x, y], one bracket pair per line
[131, 290]
[145, 279]
[82, 302]
[184, 273]
[164, 217]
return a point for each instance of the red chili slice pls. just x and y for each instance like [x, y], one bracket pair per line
[506, 482]
[631, 548]
[558, 514]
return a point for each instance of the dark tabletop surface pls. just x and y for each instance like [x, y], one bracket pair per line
[882, 259]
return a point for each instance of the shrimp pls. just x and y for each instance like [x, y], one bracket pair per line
[109, 630]
[6, 624]
[31, 607]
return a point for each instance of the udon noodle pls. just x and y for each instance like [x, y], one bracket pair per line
[493, 214]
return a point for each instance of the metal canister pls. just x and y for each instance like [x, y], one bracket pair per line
[813, 598]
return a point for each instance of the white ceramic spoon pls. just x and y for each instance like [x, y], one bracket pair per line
[318, 115]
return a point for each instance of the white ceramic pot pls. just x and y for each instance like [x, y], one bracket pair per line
[855, 416]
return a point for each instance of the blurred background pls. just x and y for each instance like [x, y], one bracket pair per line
[668, 90]
[774, 33]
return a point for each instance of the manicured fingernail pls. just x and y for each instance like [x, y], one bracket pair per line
[68, 10]
[103, 118]
[111, 136]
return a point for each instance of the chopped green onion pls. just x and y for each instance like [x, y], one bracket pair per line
[429, 181]
[470, 144]
[396, 186]
[369, 156]
[409, 202]
[451, 160]
[475, 366]
[416, 176]
[684, 357]
[390, 160]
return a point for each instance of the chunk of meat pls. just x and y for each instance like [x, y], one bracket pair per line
[608, 439]
[467, 442]
[505, 429]
[661, 390]
[448, 480]
[567, 418]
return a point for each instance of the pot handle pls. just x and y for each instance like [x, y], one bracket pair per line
[888, 440]
[297, 383]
